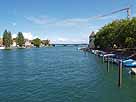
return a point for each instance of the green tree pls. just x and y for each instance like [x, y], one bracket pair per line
[36, 42]
[119, 32]
[10, 38]
[20, 39]
[7, 39]
[130, 42]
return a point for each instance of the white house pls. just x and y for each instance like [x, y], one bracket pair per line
[14, 43]
[28, 43]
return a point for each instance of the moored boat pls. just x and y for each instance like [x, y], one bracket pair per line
[1, 48]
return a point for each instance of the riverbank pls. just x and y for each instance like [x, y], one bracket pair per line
[116, 56]
[10, 48]
[122, 53]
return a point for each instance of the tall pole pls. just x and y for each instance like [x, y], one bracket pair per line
[103, 58]
[108, 64]
[128, 13]
[120, 74]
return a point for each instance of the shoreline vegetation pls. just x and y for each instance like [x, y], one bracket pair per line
[7, 42]
[118, 37]
[118, 34]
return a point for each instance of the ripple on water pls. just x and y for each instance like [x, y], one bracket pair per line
[60, 74]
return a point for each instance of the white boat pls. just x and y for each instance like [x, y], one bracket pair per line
[109, 55]
[1, 48]
[81, 48]
[133, 71]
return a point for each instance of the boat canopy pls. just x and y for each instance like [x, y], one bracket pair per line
[129, 63]
[109, 55]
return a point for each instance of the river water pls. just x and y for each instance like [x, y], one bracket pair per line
[60, 74]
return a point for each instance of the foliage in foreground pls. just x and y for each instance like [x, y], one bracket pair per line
[120, 33]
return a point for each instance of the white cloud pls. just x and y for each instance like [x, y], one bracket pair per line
[14, 35]
[34, 37]
[40, 20]
[62, 39]
[57, 22]
[73, 22]
[27, 35]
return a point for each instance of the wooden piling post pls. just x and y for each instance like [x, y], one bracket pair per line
[112, 62]
[120, 74]
[103, 58]
[108, 64]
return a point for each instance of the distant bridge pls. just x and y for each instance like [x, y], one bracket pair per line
[69, 44]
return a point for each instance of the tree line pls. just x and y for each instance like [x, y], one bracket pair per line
[117, 34]
[20, 40]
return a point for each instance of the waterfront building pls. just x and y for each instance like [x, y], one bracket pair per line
[91, 40]
[1, 42]
[46, 42]
[14, 42]
[28, 43]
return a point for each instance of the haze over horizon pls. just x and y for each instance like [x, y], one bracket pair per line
[61, 21]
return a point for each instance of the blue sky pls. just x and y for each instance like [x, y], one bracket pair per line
[61, 21]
